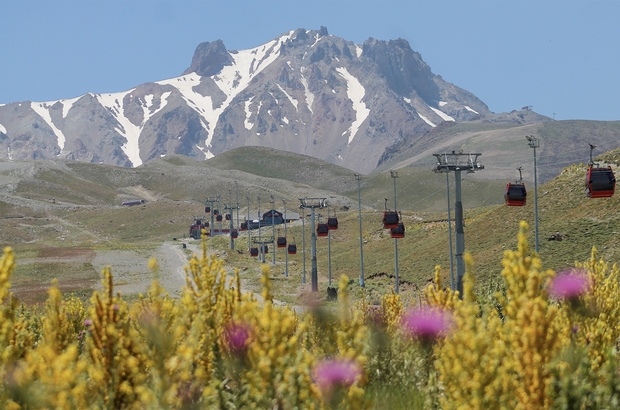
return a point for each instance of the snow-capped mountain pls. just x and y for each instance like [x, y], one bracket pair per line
[304, 91]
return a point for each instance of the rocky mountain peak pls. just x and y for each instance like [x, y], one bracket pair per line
[209, 59]
[404, 69]
[304, 91]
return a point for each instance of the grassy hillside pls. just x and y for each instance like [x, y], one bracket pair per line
[49, 208]
[504, 147]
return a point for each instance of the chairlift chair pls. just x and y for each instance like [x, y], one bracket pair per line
[600, 181]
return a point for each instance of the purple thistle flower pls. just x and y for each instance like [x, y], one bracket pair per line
[329, 373]
[88, 322]
[426, 323]
[569, 285]
[237, 336]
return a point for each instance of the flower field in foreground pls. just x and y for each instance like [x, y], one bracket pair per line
[545, 340]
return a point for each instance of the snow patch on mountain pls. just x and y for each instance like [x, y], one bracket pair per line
[308, 93]
[291, 99]
[426, 120]
[231, 80]
[471, 110]
[202, 104]
[2, 129]
[67, 104]
[355, 92]
[442, 114]
[114, 103]
[43, 110]
[248, 114]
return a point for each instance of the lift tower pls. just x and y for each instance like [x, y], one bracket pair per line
[313, 203]
[457, 162]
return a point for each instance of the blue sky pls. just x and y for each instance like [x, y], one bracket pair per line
[559, 56]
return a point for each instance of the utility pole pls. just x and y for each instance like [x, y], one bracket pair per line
[285, 249]
[230, 225]
[247, 221]
[534, 143]
[303, 243]
[359, 214]
[313, 203]
[211, 201]
[273, 226]
[329, 254]
[262, 250]
[457, 162]
[237, 200]
[452, 281]
[394, 175]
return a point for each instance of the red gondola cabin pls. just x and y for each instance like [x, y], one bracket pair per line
[292, 249]
[332, 223]
[600, 182]
[322, 230]
[281, 241]
[253, 251]
[390, 219]
[515, 194]
[398, 232]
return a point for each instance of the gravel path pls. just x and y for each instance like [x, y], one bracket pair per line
[131, 272]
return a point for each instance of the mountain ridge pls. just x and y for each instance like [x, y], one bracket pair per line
[305, 91]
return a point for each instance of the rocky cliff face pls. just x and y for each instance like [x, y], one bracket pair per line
[304, 91]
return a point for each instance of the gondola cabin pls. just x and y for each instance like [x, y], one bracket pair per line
[515, 194]
[234, 234]
[219, 218]
[292, 249]
[281, 241]
[207, 209]
[600, 182]
[322, 229]
[194, 231]
[398, 232]
[265, 249]
[244, 226]
[228, 217]
[390, 219]
[332, 223]
[253, 251]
